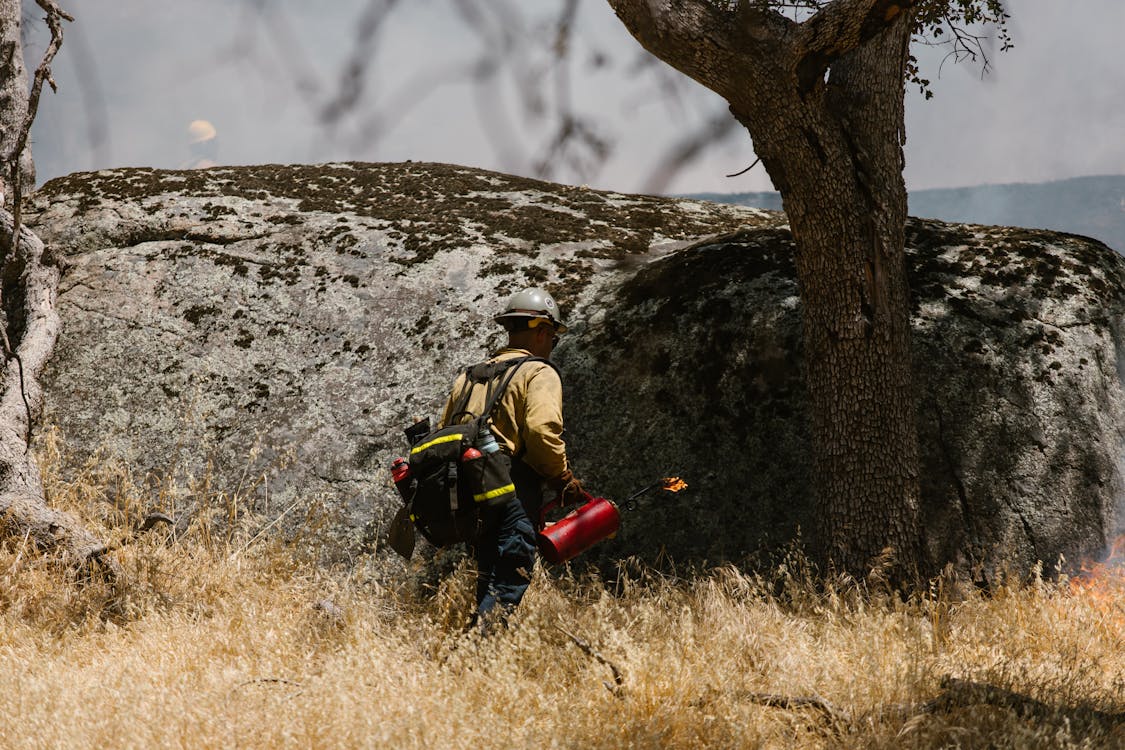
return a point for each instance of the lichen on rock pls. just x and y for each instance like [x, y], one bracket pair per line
[289, 321]
[307, 313]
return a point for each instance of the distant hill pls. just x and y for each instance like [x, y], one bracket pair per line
[1090, 206]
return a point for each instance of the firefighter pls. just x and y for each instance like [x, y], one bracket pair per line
[528, 424]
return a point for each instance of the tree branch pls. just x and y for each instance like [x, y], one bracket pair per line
[839, 28]
[54, 20]
[693, 36]
[957, 693]
[55, 17]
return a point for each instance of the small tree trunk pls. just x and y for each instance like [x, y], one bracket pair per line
[29, 324]
[29, 286]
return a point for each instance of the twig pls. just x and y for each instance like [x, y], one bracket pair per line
[266, 528]
[277, 680]
[797, 701]
[271, 680]
[838, 716]
[586, 647]
[154, 518]
[736, 174]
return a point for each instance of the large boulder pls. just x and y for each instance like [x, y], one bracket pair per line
[286, 322]
[693, 367]
[275, 328]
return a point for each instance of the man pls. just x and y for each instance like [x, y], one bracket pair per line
[528, 425]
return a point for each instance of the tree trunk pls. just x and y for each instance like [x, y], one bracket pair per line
[29, 286]
[29, 324]
[837, 160]
[823, 102]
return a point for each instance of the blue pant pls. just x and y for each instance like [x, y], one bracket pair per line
[505, 555]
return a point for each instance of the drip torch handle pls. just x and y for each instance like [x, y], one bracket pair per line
[557, 502]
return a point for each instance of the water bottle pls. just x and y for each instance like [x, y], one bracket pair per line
[400, 473]
[486, 441]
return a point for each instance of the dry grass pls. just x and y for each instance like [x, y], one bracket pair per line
[213, 642]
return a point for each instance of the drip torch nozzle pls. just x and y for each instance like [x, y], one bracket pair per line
[667, 484]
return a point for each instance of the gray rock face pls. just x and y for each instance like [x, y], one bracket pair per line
[287, 322]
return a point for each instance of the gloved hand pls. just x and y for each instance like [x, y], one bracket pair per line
[570, 489]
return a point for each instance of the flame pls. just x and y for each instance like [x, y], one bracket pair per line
[1102, 584]
[673, 484]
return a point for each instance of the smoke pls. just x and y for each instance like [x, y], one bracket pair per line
[1050, 108]
[437, 90]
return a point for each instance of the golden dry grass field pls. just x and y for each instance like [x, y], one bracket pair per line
[226, 637]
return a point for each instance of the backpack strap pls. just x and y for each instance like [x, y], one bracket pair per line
[496, 376]
[462, 400]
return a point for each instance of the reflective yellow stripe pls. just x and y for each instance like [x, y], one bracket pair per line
[435, 441]
[495, 493]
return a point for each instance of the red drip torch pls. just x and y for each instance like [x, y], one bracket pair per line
[578, 530]
[582, 528]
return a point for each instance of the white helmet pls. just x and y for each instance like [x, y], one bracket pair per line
[532, 303]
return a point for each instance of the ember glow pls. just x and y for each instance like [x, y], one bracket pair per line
[1103, 583]
[673, 484]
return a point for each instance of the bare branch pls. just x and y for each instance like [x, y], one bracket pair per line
[957, 693]
[618, 680]
[695, 37]
[55, 17]
[352, 80]
[689, 148]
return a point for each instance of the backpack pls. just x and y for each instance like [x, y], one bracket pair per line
[451, 482]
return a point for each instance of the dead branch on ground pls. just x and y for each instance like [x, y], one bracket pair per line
[589, 650]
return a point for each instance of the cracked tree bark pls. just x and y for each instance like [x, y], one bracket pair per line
[28, 285]
[823, 102]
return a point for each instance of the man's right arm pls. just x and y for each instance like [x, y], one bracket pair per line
[544, 449]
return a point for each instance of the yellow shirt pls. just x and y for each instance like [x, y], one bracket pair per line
[528, 420]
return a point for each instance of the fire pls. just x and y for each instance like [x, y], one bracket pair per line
[1102, 583]
[673, 484]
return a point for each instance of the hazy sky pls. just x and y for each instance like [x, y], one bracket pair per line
[134, 74]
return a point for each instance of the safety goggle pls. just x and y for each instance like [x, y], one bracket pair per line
[536, 322]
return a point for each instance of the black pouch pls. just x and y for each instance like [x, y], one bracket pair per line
[487, 480]
[437, 508]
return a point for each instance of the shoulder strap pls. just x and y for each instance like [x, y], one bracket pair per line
[496, 376]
